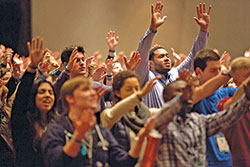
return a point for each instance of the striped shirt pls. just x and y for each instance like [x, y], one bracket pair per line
[184, 141]
[154, 98]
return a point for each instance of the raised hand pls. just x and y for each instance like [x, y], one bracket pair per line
[184, 75]
[72, 59]
[177, 58]
[157, 20]
[17, 66]
[148, 86]
[97, 58]
[36, 52]
[133, 62]
[112, 40]
[89, 61]
[98, 74]
[203, 18]
[225, 59]
[8, 55]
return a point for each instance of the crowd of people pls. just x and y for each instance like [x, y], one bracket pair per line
[71, 109]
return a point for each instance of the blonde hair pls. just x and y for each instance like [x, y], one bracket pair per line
[240, 62]
[69, 87]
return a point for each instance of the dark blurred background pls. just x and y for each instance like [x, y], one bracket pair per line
[15, 24]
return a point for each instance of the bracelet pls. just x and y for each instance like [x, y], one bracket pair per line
[152, 30]
[54, 72]
[139, 98]
[112, 51]
[32, 67]
[65, 68]
[76, 140]
[227, 74]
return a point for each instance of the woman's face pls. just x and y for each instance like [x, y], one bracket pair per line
[45, 97]
[84, 97]
[129, 87]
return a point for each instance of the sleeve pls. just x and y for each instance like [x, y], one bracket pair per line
[166, 113]
[19, 120]
[117, 156]
[11, 85]
[52, 145]
[144, 47]
[107, 95]
[59, 82]
[200, 43]
[220, 104]
[110, 116]
[222, 120]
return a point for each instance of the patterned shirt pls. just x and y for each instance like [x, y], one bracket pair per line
[184, 141]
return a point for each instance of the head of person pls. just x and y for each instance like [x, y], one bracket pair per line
[125, 84]
[206, 65]
[43, 101]
[160, 61]
[78, 93]
[179, 87]
[42, 105]
[173, 89]
[117, 67]
[240, 69]
[79, 67]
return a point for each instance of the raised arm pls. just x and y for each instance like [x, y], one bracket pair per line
[111, 116]
[146, 41]
[24, 89]
[222, 120]
[210, 87]
[19, 121]
[112, 41]
[236, 95]
[65, 75]
[203, 20]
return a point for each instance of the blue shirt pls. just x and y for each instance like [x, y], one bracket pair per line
[208, 106]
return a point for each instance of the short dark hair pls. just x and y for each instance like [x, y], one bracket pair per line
[201, 58]
[152, 54]
[67, 52]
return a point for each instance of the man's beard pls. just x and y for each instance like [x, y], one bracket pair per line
[160, 69]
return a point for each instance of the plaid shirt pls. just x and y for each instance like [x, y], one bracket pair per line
[184, 141]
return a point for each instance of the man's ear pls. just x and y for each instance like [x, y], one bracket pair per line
[152, 65]
[117, 93]
[198, 72]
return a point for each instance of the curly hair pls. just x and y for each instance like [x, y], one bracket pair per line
[119, 80]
